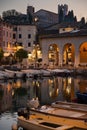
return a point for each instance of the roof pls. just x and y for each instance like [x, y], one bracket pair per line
[55, 34]
[42, 10]
[62, 25]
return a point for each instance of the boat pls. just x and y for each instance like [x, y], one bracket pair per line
[15, 74]
[70, 106]
[82, 97]
[34, 123]
[62, 116]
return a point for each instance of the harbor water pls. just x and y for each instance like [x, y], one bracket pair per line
[15, 93]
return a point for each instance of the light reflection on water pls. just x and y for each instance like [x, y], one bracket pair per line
[14, 94]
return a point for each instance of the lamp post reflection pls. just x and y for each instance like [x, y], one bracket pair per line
[53, 87]
[68, 89]
[36, 91]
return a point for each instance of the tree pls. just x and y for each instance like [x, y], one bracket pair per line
[20, 91]
[21, 54]
[75, 19]
[82, 20]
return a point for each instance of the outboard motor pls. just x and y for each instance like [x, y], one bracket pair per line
[23, 112]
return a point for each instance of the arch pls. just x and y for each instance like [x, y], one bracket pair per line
[68, 54]
[53, 55]
[83, 53]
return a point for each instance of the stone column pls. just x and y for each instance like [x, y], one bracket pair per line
[60, 56]
[44, 55]
[76, 63]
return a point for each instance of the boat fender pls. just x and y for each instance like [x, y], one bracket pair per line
[14, 127]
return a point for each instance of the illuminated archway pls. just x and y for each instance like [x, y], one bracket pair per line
[53, 55]
[68, 54]
[83, 53]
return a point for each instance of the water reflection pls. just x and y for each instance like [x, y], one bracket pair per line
[15, 93]
[68, 88]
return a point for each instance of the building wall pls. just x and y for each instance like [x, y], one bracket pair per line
[61, 42]
[26, 30]
[7, 32]
[7, 41]
[1, 33]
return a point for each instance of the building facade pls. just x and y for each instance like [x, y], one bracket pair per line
[64, 49]
[6, 34]
[24, 36]
[14, 37]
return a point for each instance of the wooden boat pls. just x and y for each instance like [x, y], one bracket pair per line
[34, 123]
[81, 97]
[63, 113]
[62, 116]
[70, 106]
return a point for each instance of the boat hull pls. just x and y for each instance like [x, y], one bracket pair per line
[65, 120]
[37, 124]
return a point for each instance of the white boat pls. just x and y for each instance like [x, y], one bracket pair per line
[38, 72]
[11, 73]
[4, 75]
[45, 73]
[14, 74]
[59, 115]
[29, 73]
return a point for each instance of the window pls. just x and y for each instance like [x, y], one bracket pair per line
[15, 29]
[19, 29]
[63, 29]
[7, 34]
[14, 36]
[20, 36]
[3, 32]
[20, 44]
[29, 35]
[29, 44]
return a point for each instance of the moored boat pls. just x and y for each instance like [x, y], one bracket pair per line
[65, 116]
[70, 106]
[15, 74]
[40, 124]
[34, 123]
[82, 97]
[61, 115]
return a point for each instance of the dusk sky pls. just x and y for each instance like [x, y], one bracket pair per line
[78, 6]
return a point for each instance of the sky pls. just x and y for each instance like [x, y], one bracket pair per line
[78, 6]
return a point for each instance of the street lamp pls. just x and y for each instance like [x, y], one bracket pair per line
[36, 54]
